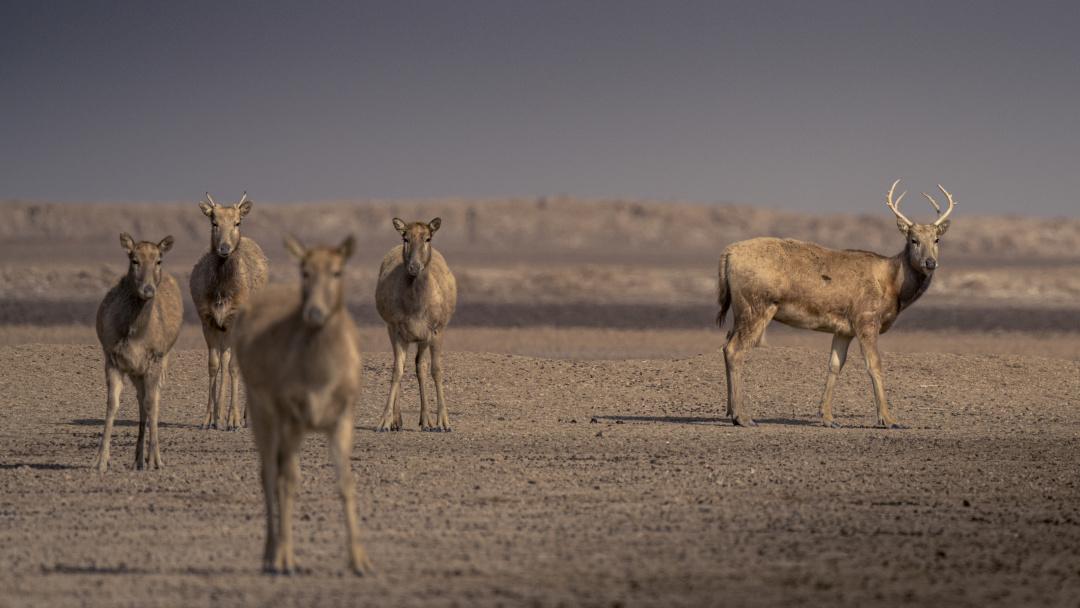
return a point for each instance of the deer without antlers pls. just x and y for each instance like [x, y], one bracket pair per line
[848, 293]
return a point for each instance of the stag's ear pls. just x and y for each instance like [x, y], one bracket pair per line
[166, 244]
[207, 209]
[127, 242]
[943, 226]
[245, 208]
[294, 247]
[902, 226]
[399, 225]
[434, 224]
[345, 249]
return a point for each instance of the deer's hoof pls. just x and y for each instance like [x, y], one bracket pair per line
[744, 422]
[831, 424]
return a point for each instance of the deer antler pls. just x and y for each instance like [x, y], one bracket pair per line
[243, 198]
[952, 203]
[210, 199]
[933, 203]
[895, 206]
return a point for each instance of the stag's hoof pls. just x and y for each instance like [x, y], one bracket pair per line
[362, 567]
[831, 424]
[101, 464]
[747, 422]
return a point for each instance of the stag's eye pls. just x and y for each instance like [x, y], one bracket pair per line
[914, 241]
[306, 274]
[213, 224]
[159, 262]
[237, 224]
[427, 240]
[337, 274]
[936, 240]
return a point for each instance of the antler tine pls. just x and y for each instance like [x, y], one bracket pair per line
[952, 204]
[895, 206]
[243, 198]
[210, 199]
[933, 203]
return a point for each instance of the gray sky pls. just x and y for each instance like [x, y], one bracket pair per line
[812, 106]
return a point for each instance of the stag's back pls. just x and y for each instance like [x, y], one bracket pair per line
[291, 368]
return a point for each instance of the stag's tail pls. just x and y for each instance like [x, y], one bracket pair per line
[723, 295]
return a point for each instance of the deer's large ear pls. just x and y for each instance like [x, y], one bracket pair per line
[166, 244]
[434, 224]
[294, 247]
[902, 226]
[943, 226]
[345, 249]
[127, 242]
[245, 208]
[207, 209]
[399, 225]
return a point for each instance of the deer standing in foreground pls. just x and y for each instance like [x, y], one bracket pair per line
[222, 281]
[848, 293]
[137, 324]
[299, 353]
[416, 295]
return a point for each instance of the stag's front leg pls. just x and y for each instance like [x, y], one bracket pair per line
[213, 369]
[229, 365]
[391, 419]
[288, 480]
[837, 358]
[868, 342]
[114, 382]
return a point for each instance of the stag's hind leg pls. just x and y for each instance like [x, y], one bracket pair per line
[836, 364]
[748, 326]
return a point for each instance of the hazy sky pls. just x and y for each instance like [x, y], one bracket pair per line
[801, 105]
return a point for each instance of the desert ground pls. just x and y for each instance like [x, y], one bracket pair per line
[591, 462]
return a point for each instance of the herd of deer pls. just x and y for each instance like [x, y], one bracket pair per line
[298, 353]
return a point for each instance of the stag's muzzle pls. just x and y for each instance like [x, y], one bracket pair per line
[930, 264]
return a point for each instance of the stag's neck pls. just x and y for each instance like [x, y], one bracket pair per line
[911, 283]
[420, 285]
[138, 309]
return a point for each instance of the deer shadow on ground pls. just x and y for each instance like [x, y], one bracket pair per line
[133, 423]
[38, 466]
[704, 420]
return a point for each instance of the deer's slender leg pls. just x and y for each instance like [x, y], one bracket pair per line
[114, 383]
[837, 358]
[228, 369]
[153, 397]
[391, 420]
[340, 450]
[747, 329]
[422, 368]
[288, 479]
[868, 342]
[267, 442]
[436, 374]
[213, 367]
[140, 396]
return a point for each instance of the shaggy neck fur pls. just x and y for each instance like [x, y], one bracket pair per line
[911, 282]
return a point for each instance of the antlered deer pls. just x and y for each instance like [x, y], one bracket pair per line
[847, 293]
[222, 281]
[137, 324]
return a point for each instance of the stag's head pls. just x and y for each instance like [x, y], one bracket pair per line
[144, 263]
[320, 279]
[225, 223]
[416, 243]
[922, 239]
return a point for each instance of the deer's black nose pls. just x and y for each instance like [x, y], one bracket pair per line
[931, 264]
[224, 250]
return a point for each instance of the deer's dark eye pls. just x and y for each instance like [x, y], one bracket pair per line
[306, 274]
[427, 240]
[936, 240]
[213, 224]
[914, 242]
[159, 262]
[337, 274]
